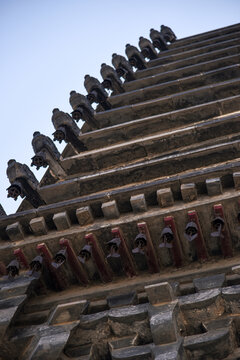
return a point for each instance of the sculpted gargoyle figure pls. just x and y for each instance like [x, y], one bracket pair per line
[46, 154]
[96, 92]
[23, 183]
[111, 80]
[135, 58]
[82, 109]
[158, 40]
[168, 34]
[66, 129]
[147, 48]
[123, 67]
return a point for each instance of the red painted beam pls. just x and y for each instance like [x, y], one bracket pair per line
[21, 258]
[74, 263]
[150, 251]
[126, 258]
[99, 258]
[176, 249]
[60, 280]
[226, 243]
[201, 248]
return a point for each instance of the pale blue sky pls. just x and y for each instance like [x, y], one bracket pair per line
[48, 46]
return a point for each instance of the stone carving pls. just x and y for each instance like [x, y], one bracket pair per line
[82, 109]
[96, 92]
[66, 129]
[158, 40]
[13, 269]
[113, 257]
[23, 183]
[85, 257]
[147, 49]
[46, 154]
[135, 58]
[168, 34]
[123, 67]
[111, 80]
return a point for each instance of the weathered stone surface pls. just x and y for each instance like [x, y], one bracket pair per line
[19, 286]
[49, 347]
[236, 269]
[197, 308]
[92, 320]
[165, 197]
[138, 203]
[209, 282]
[163, 323]
[236, 178]
[132, 353]
[12, 301]
[110, 210]
[6, 316]
[121, 343]
[38, 226]
[189, 192]
[213, 345]
[68, 312]
[15, 231]
[199, 300]
[129, 314]
[231, 292]
[122, 300]
[159, 293]
[62, 221]
[172, 351]
[84, 215]
[214, 186]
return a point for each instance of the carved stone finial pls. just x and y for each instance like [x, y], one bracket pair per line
[66, 129]
[168, 34]
[147, 49]
[111, 79]
[123, 67]
[23, 183]
[46, 154]
[82, 109]
[158, 40]
[96, 92]
[135, 58]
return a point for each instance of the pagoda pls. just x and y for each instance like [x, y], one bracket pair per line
[129, 246]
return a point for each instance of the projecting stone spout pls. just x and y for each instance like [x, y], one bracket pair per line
[66, 129]
[147, 49]
[23, 183]
[82, 109]
[111, 80]
[123, 67]
[46, 154]
[96, 92]
[135, 58]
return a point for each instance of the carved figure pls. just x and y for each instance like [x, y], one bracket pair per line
[147, 48]
[123, 67]
[23, 183]
[46, 154]
[96, 92]
[135, 58]
[13, 269]
[158, 40]
[111, 80]
[66, 129]
[168, 34]
[82, 109]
